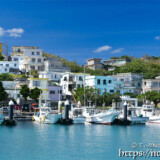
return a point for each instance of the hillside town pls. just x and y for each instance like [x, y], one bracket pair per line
[57, 82]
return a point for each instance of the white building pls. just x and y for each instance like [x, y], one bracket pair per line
[94, 63]
[71, 81]
[149, 85]
[41, 83]
[13, 87]
[131, 82]
[30, 58]
[9, 67]
[115, 62]
[52, 76]
[10, 88]
[55, 65]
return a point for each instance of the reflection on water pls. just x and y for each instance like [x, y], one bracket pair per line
[30, 140]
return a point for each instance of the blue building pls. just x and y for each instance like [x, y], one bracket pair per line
[105, 84]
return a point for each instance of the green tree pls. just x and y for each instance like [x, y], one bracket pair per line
[35, 93]
[132, 95]
[92, 94]
[115, 57]
[34, 73]
[106, 98]
[6, 77]
[116, 97]
[25, 92]
[128, 58]
[152, 96]
[3, 93]
[1, 58]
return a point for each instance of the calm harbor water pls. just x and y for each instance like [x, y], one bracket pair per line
[30, 140]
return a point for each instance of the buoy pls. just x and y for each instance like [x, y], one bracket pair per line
[44, 118]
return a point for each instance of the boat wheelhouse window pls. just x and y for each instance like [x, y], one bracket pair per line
[98, 81]
[104, 81]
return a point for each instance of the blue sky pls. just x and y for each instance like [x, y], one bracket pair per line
[81, 29]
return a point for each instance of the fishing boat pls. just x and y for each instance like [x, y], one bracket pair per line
[135, 116]
[106, 117]
[46, 115]
[150, 111]
[79, 115]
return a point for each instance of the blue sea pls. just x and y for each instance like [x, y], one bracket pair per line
[33, 141]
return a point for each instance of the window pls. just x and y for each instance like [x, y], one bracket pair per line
[111, 91]
[32, 67]
[154, 84]
[1, 64]
[59, 91]
[110, 81]
[127, 79]
[104, 81]
[32, 53]
[80, 78]
[98, 81]
[6, 69]
[18, 50]
[15, 59]
[38, 53]
[36, 83]
[39, 60]
[52, 92]
[7, 65]
[65, 78]
[33, 60]
[78, 86]
[55, 76]
[15, 65]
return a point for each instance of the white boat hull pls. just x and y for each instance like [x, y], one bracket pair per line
[102, 118]
[154, 119]
[49, 119]
[139, 120]
[79, 120]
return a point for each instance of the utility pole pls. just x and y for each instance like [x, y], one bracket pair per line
[84, 86]
[6, 49]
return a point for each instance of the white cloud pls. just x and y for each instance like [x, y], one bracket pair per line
[14, 32]
[157, 37]
[119, 50]
[2, 31]
[103, 48]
